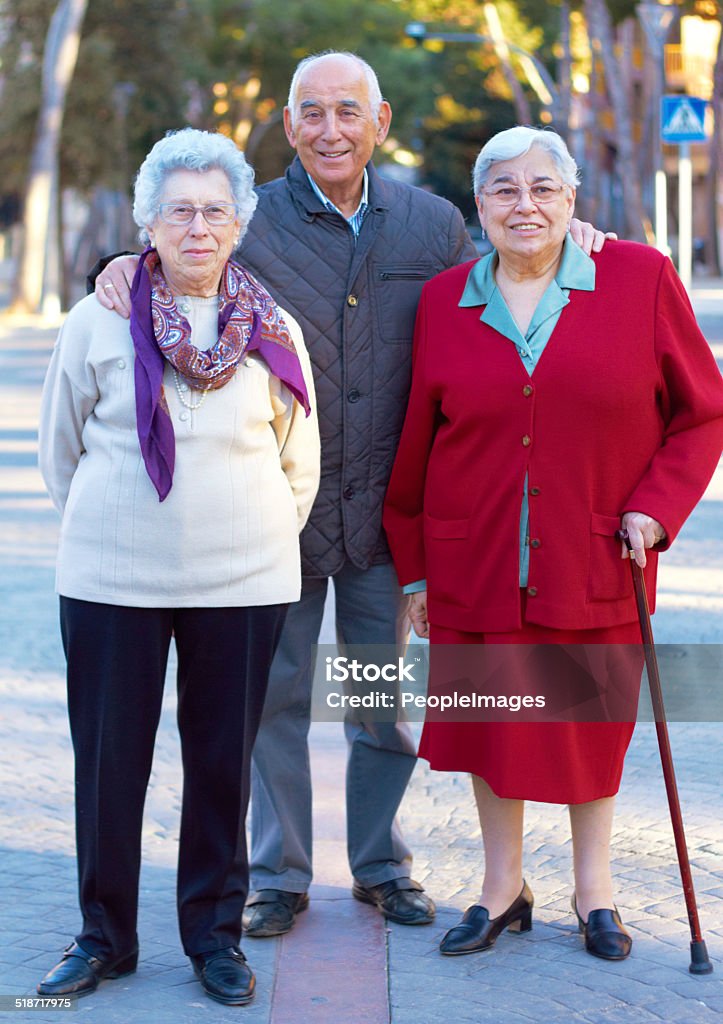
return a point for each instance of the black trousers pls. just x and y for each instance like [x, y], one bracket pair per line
[116, 667]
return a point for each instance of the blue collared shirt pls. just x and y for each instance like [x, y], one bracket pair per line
[576, 272]
[356, 219]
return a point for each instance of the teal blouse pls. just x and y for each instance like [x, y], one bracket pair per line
[576, 271]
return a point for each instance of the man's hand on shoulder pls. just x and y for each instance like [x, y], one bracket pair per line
[113, 285]
[588, 237]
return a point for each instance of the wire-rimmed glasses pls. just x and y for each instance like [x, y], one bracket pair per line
[215, 214]
[509, 195]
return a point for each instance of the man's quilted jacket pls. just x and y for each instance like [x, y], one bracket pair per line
[356, 303]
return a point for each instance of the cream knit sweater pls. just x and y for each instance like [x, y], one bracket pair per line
[246, 473]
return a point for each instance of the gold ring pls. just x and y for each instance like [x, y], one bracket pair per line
[107, 287]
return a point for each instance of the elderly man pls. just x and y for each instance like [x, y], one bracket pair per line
[347, 253]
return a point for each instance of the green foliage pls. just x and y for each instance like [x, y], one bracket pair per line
[462, 101]
[447, 99]
[129, 87]
[24, 27]
[462, 97]
[144, 68]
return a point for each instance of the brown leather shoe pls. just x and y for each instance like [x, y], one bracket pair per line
[79, 972]
[400, 899]
[272, 912]
[225, 975]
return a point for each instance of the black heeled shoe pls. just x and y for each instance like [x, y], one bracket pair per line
[604, 933]
[476, 931]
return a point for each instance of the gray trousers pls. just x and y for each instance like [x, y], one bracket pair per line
[370, 608]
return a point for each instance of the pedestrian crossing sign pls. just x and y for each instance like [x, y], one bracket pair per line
[683, 119]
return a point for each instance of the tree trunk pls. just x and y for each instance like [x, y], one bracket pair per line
[258, 132]
[589, 196]
[714, 183]
[564, 74]
[602, 42]
[33, 287]
[522, 106]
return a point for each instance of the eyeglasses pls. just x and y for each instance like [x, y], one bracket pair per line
[510, 195]
[215, 214]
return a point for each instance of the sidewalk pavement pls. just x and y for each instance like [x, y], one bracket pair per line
[343, 963]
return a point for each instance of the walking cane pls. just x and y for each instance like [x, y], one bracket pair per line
[699, 961]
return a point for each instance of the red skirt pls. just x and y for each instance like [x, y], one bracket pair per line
[566, 762]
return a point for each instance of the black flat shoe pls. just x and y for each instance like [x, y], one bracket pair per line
[400, 899]
[225, 976]
[604, 933]
[272, 912]
[477, 932]
[79, 972]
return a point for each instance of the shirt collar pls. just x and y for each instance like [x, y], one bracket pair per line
[576, 271]
[335, 209]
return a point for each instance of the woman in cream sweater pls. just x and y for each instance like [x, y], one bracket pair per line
[182, 454]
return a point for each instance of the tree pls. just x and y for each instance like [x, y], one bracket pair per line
[564, 71]
[603, 45]
[226, 64]
[715, 167]
[38, 275]
[141, 71]
[494, 25]
[464, 92]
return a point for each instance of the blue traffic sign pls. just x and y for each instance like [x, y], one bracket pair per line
[683, 119]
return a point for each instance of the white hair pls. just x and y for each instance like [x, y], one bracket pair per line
[192, 150]
[513, 142]
[375, 93]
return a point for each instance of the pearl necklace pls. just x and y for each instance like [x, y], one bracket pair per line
[188, 405]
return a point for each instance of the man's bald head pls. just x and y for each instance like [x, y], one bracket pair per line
[341, 56]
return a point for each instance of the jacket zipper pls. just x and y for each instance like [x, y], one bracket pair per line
[402, 275]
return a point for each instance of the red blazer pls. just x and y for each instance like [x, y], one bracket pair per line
[624, 412]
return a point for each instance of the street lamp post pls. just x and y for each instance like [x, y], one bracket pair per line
[656, 19]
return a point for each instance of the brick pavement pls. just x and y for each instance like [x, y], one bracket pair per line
[341, 949]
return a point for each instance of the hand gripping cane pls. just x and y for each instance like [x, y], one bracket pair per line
[699, 962]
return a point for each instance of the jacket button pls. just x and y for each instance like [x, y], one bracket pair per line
[354, 395]
[534, 491]
[348, 493]
[532, 591]
[352, 300]
[527, 390]
[527, 441]
[535, 542]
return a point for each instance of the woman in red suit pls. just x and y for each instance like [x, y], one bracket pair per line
[555, 398]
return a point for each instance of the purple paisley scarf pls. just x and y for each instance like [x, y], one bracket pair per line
[248, 321]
